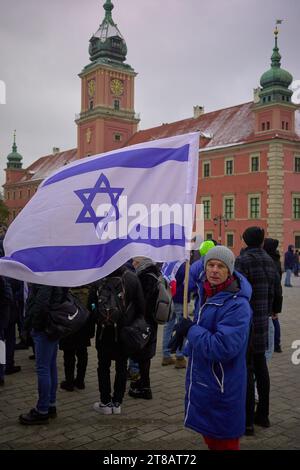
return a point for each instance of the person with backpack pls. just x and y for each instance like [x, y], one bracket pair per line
[75, 346]
[115, 301]
[39, 302]
[148, 274]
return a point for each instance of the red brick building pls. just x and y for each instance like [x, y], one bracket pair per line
[249, 155]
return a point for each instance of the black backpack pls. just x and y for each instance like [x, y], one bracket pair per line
[110, 303]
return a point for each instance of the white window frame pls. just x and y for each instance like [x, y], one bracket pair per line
[209, 232]
[226, 239]
[296, 234]
[254, 155]
[206, 162]
[229, 196]
[295, 196]
[229, 159]
[298, 157]
[203, 199]
[250, 196]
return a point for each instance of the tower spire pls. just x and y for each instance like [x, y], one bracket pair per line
[14, 159]
[276, 57]
[14, 147]
[108, 7]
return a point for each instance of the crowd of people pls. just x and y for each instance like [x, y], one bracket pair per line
[224, 344]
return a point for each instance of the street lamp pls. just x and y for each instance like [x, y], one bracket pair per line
[218, 221]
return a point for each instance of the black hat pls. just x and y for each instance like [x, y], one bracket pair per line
[254, 236]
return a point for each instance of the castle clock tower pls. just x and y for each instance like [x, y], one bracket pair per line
[107, 119]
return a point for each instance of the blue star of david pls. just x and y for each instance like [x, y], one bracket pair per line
[87, 196]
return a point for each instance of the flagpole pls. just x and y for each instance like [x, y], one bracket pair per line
[186, 288]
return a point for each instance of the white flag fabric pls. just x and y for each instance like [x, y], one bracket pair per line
[91, 216]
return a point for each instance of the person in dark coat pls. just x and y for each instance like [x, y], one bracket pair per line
[271, 247]
[75, 347]
[257, 266]
[6, 299]
[289, 263]
[39, 303]
[296, 266]
[108, 344]
[144, 268]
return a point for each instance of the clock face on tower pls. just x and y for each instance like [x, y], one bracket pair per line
[91, 88]
[117, 87]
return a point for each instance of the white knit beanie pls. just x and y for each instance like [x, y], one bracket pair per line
[221, 253]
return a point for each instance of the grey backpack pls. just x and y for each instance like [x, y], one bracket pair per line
[164, 306]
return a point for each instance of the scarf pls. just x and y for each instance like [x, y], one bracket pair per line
[210, 290]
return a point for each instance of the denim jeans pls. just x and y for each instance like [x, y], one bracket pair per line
[133, 366]
[288, 274]
[270, 350]
[168, 328]
[45, 357]
[277, 333]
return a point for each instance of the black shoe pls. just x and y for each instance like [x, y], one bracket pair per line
[263, 422]
[52, 412]
[32, 357]
[278, 349]
[79, 384]
[144, 393]
[12, 370]
[34, 417]
[21, 345]
[2, 382]
[249, 431]
[67, 386]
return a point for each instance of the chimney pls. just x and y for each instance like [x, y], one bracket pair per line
[198, 111]
[256, 97]
[55, 150]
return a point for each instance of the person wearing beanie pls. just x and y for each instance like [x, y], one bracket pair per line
[195, 271]
[258, 267]
[216, 377]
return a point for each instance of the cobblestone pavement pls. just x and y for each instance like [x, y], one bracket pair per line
[154, 424]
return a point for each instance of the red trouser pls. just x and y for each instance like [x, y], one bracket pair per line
[222, 444]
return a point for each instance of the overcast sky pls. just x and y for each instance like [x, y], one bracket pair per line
[186, 52]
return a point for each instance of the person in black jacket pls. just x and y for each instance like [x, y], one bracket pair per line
[38, 305]
[271, 247]
[259, 269]
[145, 266]
[75, 346]
[6, 299]
[108, 343]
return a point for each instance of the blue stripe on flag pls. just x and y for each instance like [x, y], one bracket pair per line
[138, 158]
[74, 258]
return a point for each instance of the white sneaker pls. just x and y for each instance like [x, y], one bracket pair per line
[103, 409]
[116, 408]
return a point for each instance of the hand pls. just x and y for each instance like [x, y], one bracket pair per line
[179, 333]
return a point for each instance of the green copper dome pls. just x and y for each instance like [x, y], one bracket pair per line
[276, 76]
[14, 159]
[108, 42]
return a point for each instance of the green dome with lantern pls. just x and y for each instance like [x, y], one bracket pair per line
[108, 44]
[14, 159]
[275, 82]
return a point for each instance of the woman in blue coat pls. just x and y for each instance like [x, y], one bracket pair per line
[216, 345]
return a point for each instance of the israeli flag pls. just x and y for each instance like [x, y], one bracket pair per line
[91, 216]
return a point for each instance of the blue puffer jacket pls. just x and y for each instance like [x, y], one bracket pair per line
[216, 376]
